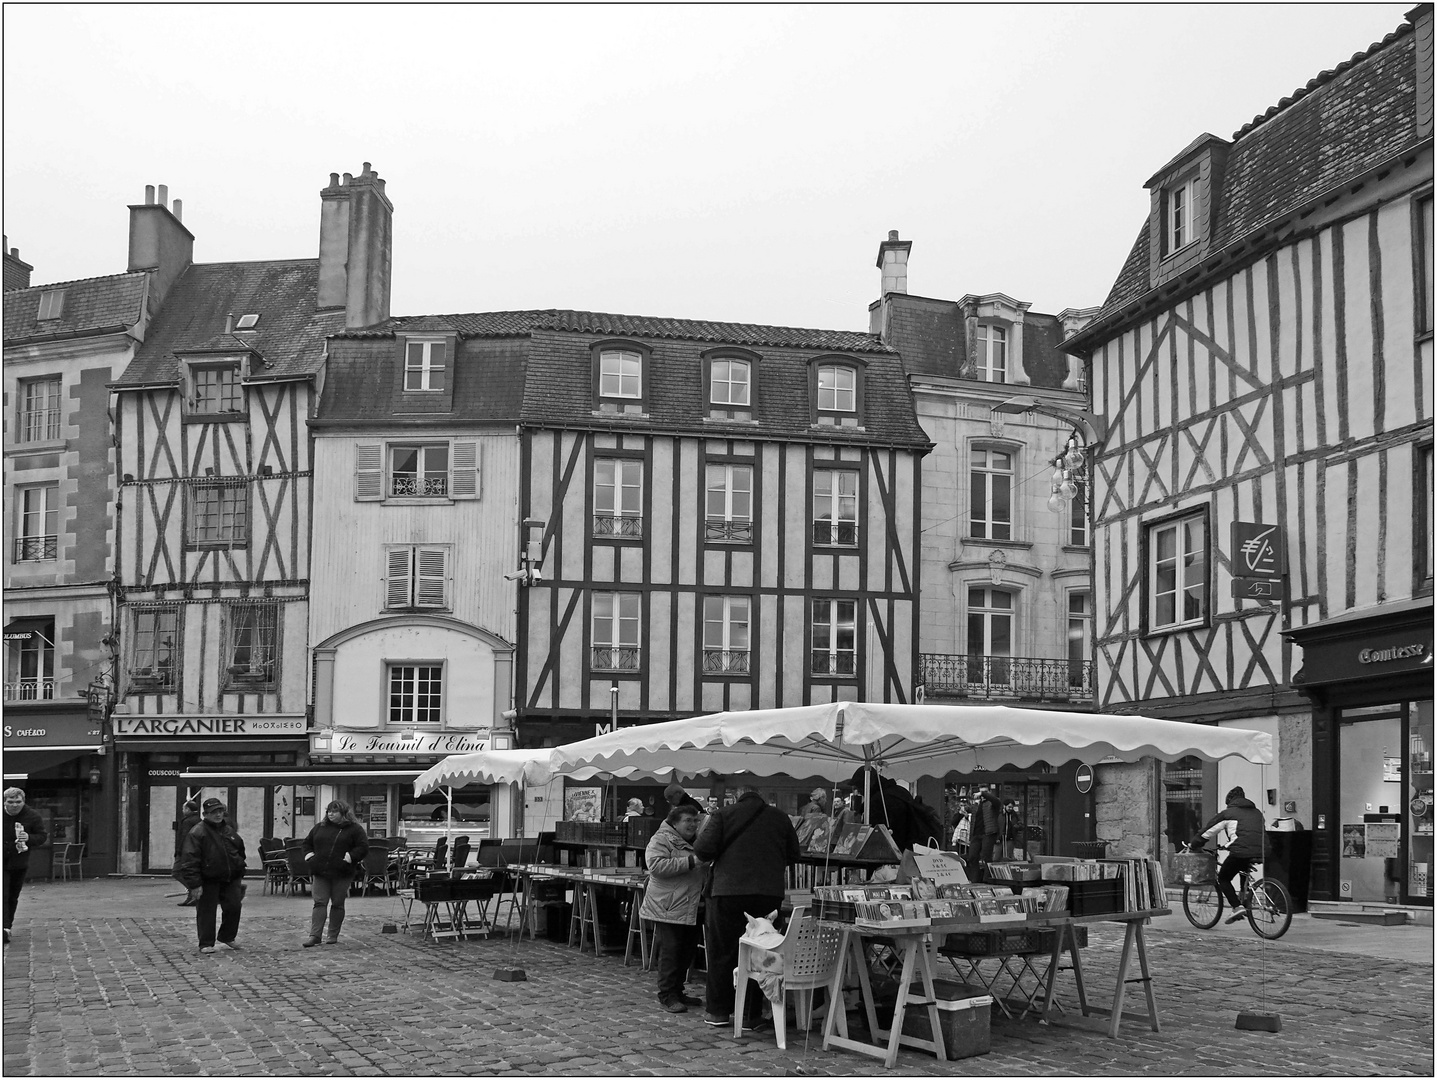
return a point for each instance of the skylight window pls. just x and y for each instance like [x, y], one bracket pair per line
[247, 322]
[52, 301]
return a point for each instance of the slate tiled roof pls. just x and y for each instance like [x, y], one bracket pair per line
[290, 334]
[1341, 125]
[90, 304]
[363, 381]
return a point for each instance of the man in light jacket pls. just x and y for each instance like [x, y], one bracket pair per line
[671, 902]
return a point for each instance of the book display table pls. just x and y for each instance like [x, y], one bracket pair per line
[586, 928]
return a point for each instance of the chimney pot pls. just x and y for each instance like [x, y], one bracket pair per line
[164, 194]
[366, 170]
[334, 179]
[149, 194]
[347, 178]
[178, 208]
[15, 252]
[893, 234]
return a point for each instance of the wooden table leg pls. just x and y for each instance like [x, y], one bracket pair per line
[1147, 979]
[1116, 1016]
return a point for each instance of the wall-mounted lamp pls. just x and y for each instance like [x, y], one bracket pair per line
[95, 776]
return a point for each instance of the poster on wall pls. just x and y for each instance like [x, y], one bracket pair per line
[583, 803]
[1354, 841]
[1382, 839]
[1391, 768]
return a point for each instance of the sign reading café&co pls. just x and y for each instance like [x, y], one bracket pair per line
[394, 742]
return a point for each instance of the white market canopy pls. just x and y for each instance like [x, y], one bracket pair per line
[512, 767]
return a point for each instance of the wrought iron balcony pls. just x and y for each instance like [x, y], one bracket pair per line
[1023, 677]
[835, 534]
[30, 690]
[631, 525]
[35, 548]
[725, 661]
[412, 484]
[822, 662]
[614, 659]
[731, 532]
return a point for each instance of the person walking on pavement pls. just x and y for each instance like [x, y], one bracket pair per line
[1239, 831]
[24, 829]
[212, 866]
[671, 902]
[751, 845]
[189, 818]
[990, 825]
[334, 851]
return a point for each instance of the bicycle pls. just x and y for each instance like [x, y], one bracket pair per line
[1269, 907]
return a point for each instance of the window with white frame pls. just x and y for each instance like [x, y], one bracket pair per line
[448, 469]
[419, 471]
[725, 635]
[219, 514]
[425, 365]
[614, 633]
[729, 388]
[837, 395]
[417, 576]
[835, 507]
[39, 410]
[621, 374]
[1080, 634]
[991, 363]
[1178, 573]
[416, 693]
[990, 488]
[253, 643]
[1181, 218]
[155, 649]
[990, 636]
[36, 535]
[217, 388]
[30, 655]
[834, 630]
[1078, 513]
[728, 503]
[618, 497]
[52, 304]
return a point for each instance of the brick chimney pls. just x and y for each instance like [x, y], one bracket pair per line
[355, 247]
[893, 261]
[17, 271]
[159, 243]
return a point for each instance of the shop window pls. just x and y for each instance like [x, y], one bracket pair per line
[730, 388]
[726, 621]
[990, 485]
[253, 651]
[219, 514]
[990, 637]
[417, 576]
[614, 635]
[1177, 558]
[835, 507]
[728, 504]
[618, 498]
[1420, 795]
[155, 654]
[416, 693]
[834, 634]
[36, 536]
[215, 389]
[38, 418]
[30, 660]
[991, 361]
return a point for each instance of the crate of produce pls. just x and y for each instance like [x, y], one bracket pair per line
[1192, 867]
[963, 1018]
[1095, 897]
[641, 830]
[971, 943]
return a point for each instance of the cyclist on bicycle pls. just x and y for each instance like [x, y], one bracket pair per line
[1239, 831]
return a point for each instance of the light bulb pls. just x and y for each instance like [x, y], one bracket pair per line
[1067, 489]
[1059, 476]
[1073, 458]
[1055, 503]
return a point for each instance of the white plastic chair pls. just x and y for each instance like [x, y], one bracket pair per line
[810, 955]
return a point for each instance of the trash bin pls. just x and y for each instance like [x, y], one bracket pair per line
[1288, 859]
[1090, 849]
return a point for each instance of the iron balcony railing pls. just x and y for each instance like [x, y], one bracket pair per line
[618, 525]
[30, 690]
[412, 484]
[730, 532]
[835, 534]
[614, 659]
[722, 661]
[822, 662]
[1027, 677]
[35, 548]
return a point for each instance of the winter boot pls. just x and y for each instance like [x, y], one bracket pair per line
[336, 920]
[316, 927]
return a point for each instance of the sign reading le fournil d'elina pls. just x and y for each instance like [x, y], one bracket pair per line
[394, 742]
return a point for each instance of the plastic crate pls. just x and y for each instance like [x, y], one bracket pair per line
[1095, 897]
[971, 943]
[1015, 939]
[434, 890]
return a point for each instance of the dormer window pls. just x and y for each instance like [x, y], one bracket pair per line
[1181, 219]
[216, 389]
[425, 364]
[729, 388]
[991, 362]
[838, 394]
[52, 302]
[620, 377]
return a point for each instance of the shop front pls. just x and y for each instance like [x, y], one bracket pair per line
[55, 754]
[1370, 679]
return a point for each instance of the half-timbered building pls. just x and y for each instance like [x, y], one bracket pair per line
[1262, 501]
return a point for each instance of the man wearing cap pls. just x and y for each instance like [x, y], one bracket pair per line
[212, 866]
[678, 798]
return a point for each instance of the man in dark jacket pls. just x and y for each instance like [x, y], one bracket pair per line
[678, 799]
[1242, 840]
[24, 829]
[189, 818]
[990, 826]
[751, 845]
[890, 804]
[211, 866]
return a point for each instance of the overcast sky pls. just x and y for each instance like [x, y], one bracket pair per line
[731, 163]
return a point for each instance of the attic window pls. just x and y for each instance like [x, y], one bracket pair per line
[1181, 230]
[52, 301]
[247, 322]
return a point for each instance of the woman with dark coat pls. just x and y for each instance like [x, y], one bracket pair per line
[334, 851]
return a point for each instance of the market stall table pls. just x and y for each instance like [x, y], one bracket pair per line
[586, 885]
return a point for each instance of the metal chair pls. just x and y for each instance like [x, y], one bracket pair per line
[377, 871]
[276, 866]
[299, 876]
[69, 858]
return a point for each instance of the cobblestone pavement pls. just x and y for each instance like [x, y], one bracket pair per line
[116, 987]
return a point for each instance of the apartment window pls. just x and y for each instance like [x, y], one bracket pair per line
[1181, 222]
[725, 635]
[1424, 266]
[52, 303]
[30, 671]
[728, 504]
[156, 651]
[419, 471]
[729, 388]
[990, 482]
[424, 365]
[837, 394]
[618, 497]
[992, 347]
[253, 643]
[416, 576]
[614, 638]
[835, 638]
[37, 537]
[216, 389]
[219, 514]
[1177, 573]
[416, 693]
[990, 636]
[39, 416]
[835, 507]
[621, 374]
[1078, 513]
[1080, 630]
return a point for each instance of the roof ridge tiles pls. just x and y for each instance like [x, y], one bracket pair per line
[79, 281]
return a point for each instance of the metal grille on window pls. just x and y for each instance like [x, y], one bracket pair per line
[728, 507]
[615, 637]
[726, 648]
[618, 497]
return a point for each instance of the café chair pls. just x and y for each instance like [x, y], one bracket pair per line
[67, 859]
[299, 875]
[810, 955]
[377, 871]
[276, 866]
[461, 851]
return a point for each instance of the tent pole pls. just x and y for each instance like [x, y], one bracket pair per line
[449, 827]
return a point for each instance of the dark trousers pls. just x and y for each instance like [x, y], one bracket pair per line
[1230, 868]
[723, 926]
[329, 892]
[227, 896]
[981, 851]
[14, 882]
[674, 943]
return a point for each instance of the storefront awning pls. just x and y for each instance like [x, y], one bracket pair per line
[21, 764]
[241, 777]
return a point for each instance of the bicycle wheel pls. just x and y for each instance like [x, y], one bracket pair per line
[1202, 904]
[1270, 909]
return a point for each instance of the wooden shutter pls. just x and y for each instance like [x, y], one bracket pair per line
[398, 572]
[368, 472]
[431, 588]
[465, 481]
